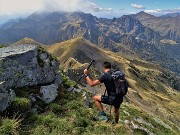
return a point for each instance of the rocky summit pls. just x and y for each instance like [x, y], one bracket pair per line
[26, 66]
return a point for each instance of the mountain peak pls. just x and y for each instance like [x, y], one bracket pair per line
[27, 40]
[144, 14]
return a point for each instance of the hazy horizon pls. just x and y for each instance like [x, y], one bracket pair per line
[101, 8]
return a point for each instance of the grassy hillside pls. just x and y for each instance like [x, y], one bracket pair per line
[152, 88]
[27, 41]
[76, 48]
[152, 105]
[67, 116]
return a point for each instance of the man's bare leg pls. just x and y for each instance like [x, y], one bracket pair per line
[97, 101]
[116, 112]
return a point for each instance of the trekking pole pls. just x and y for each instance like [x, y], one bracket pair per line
[110, 109]
[80, 79]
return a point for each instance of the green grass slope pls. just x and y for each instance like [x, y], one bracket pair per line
[68, 116]
[152, 88]
[152, 104]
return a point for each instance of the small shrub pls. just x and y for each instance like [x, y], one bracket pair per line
[50, 123]
[81, 122]
[67, 82]
[78, 131]
[45, 118]
[9, 126]
[40, 130]
[55, 107]
[20, 104]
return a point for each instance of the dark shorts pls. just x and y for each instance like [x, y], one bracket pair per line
[109, 101]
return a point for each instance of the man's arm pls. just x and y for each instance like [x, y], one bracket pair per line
[89, 80]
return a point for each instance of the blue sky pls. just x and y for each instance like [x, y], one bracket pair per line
[156, 7]
[149, 4]
[102, 8]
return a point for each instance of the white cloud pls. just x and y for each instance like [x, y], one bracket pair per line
[20, 6]
[153, 11]
[64, 5]
[95, 8]
[137, 6]
[162, 11]
[132, 13]
[17, 6]
[10, 9]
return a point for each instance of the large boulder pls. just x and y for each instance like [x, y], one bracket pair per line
[26, 65]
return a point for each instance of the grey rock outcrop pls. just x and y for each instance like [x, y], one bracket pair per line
[49, 93]
[25, 65]
[6, 96]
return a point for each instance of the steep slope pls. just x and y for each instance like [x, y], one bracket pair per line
[126, 34]
[150, 87]
[78, 48]
[84, 51]
[169, 27]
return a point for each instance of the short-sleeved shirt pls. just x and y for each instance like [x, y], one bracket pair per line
[108, 81]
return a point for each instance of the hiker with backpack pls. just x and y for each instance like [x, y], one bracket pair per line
[116, 87]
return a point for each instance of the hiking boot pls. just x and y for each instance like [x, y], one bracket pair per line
[101, 118]
[114, 123]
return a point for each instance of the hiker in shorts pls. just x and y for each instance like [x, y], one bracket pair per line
[112, 98]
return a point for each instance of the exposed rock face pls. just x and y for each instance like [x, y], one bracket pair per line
[26, 65]
[166, 26]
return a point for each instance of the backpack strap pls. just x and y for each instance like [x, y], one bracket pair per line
[105, 92]
[105, 89]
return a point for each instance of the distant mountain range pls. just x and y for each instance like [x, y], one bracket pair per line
[138, 36]
[57, 27]
[170, 15]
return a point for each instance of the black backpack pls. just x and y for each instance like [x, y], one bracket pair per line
[120, 82]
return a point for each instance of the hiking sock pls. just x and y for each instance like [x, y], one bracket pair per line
[103, 113]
